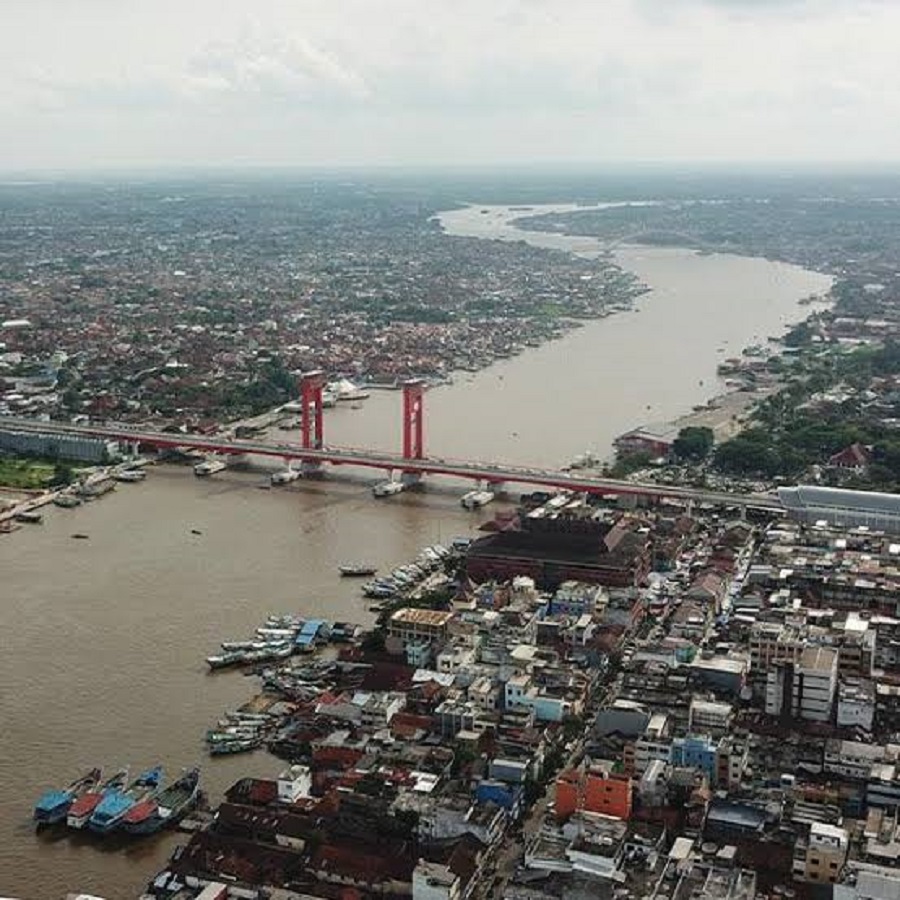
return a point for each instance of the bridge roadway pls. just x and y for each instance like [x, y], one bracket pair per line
[472, 470]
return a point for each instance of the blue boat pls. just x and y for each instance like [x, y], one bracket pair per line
[53, 806]
[112, 808]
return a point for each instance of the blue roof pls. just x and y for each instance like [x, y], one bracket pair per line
[52, 799]
[112, 804]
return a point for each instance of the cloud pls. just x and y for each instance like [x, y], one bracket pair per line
[289, 68]
[247, 70]
[428, 81]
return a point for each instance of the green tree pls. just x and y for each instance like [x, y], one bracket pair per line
[750, 453]
[693, 443]
[62, 475]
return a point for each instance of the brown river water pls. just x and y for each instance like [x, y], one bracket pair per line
[103, 647]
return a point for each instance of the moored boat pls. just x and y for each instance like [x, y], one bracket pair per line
[209, 467]
[53, 806]
[166, 808]
[112, 808]
[357, 569]
[83, 807]
[224, 660]
[238, 746]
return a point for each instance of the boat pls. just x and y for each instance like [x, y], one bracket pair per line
[285, 476]
[354, 570]
[81, 537]
[238, 746]
[225, 660]
[208, 467]
[166, 808]
[53, 806]
[476, 499]
[83, 807]
[387, 488]
[130, 475]
[112, 808]
[29, 516]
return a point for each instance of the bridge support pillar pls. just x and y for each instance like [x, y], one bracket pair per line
[413, 428]
[413, 419]
[312, 431]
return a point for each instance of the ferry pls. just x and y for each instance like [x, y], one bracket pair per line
[208, 467]
[54, 806]
[387, 488]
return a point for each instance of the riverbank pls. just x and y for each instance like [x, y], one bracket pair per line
[699, 307]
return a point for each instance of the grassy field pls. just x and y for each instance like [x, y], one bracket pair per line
[24, 473]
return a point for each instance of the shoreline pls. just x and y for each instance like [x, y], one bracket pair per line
[727, 412]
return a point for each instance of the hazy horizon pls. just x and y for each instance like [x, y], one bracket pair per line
[101, 86]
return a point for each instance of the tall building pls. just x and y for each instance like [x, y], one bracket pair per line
[804, 689]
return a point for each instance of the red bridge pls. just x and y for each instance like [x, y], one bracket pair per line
[412, 464]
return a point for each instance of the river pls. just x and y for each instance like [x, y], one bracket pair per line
[104, 638]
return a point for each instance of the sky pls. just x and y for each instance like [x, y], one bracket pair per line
[100, 84]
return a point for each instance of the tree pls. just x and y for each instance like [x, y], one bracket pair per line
[62, 475]
[693, 443]
[748, 454]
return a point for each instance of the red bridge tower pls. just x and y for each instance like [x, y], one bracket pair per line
[312, 434]
[413, 419]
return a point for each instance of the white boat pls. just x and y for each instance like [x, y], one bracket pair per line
[209, 467]
[130, 475]
[285, 476]
[387, 488]
[345, 390]
[476, 499]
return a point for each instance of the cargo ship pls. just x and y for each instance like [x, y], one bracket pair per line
[53, 806]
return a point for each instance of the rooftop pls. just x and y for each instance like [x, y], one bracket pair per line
[431, 617]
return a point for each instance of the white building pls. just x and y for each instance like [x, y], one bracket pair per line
[709, 716]
[805, 689]
[654, 744]
[294, 783]
[432, 881]
[856, 705]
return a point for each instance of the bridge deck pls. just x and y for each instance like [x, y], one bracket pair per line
[481, 471]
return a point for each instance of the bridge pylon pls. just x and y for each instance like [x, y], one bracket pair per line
[312, 432]
[413, 426]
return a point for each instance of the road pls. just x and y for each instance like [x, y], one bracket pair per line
[487, 472]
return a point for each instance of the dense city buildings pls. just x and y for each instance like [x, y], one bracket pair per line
[194, 303]
[721, 724]
[596, 696]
